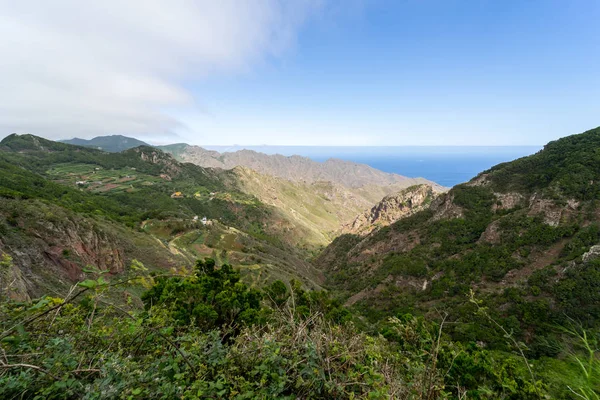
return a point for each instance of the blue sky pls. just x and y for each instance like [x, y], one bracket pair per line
[420, 73]
[303, 72]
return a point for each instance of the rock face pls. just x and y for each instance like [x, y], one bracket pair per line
[166, 161]
[297, 168]
[592, 254]
[506, 201]
[443, 207]
[552, 212]
[50, 246]
[391, 209]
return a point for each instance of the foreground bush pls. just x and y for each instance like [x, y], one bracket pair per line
[207, 335]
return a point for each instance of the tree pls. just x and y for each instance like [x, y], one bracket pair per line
[212, 298]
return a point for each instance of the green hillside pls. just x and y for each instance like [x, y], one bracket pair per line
[519, 238]
[112, 288]
[132, 192]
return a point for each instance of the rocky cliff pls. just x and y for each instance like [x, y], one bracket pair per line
[50, 246]
[392, 208]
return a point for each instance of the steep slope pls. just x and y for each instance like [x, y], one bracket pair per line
[121, 194]
[520, 235]
[50, 246]
[113, 143]
[317, 198]
[392, 208]
[295, 168]
[317, 209]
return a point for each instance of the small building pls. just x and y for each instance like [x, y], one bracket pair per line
[177, 195]
[195, 218]
[81, 183]
[206, 222]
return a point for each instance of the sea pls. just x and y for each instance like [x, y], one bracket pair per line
[446, 165]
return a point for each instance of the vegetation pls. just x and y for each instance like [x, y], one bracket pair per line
[493, 292]
[113, 143]
[134, 188]
[207, 335]
[520, 237]
[565, 168]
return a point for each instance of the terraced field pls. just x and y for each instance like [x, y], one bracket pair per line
[100, 180]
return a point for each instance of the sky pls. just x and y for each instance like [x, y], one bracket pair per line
[301, 72]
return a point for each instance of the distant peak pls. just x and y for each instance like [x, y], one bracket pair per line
[111, 143]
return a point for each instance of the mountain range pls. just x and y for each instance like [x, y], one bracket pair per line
[255, 218]
[294, 168]
[318, 197]
[522, 237]
[507, 265]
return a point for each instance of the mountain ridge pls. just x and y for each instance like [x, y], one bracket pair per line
[519, 236]
[122, 194]
[487, 270]
[111, 143]
[297, 168]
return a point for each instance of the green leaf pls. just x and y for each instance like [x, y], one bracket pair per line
[101, 282]
[88, 283]
[10, 339]
[40, 304]
[90, 269]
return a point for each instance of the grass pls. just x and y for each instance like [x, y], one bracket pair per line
[101, 180]
[258, 261]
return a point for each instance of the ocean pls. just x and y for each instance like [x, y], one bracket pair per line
[446, 165]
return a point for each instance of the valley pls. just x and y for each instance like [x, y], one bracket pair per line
[517, 240]
[266, 226]
[299, 200]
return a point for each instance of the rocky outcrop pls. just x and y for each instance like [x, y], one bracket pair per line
[480, 180]
[391, 209]
[491, 234]
[507, 201]
[170, 166]
[50, 246]
[592, 254]
[443, 207]
[552, 212]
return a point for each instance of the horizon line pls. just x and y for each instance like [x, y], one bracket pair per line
[355, 146]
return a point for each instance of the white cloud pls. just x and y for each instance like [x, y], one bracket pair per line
[86, 68]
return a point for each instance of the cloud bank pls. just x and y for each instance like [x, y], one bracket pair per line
[79, 68]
